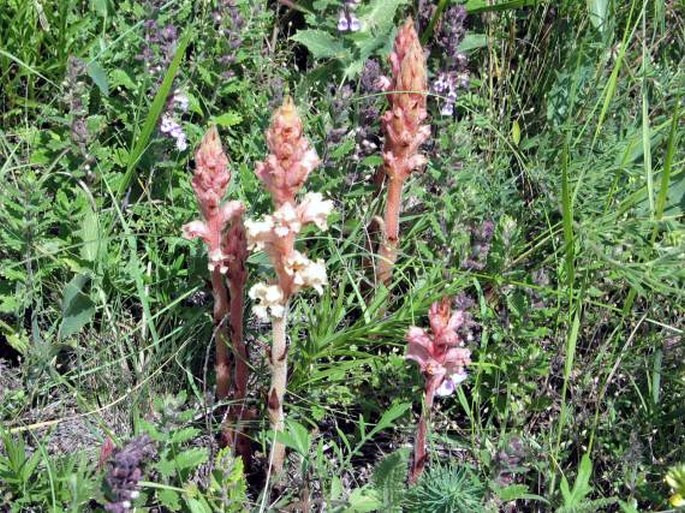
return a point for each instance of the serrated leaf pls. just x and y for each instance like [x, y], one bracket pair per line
[319, 43]
[99, 77]
[229, 119]
[77, 307]
[191, 458]
[362, 500]
[380, 15]
[183, 435]
[195, 506]
[170, 499]
[119, 77]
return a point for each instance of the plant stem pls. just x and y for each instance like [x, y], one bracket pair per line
[240, 350]
[279, 373]
[420, 442]
[388, 247]
[222, 364]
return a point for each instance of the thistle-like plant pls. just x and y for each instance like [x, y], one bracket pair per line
[223, 231]
[404, 134]
[442, 357]
[291, 158]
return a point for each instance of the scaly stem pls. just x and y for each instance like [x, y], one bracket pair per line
[420, 442]
[222, 364]
[390, 240]
[279, 373]
[239, 348]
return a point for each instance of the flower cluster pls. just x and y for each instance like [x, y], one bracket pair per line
[210, 182]
[481, 238]
[454, 76]
[170, 126]
[347, 19]
[441, 355]
[159, 47]
[283, 173]
[291, 158]
[124, 472]
[402, 123]
[229, 24]
[275, 234]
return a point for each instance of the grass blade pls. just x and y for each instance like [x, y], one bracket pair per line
[141, 141]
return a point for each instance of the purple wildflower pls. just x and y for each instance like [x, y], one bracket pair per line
[481, 240]
[124, 472]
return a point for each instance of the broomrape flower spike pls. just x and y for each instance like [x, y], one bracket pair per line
[291, 158]
[404, 134]
[222, 230]
[442, 357]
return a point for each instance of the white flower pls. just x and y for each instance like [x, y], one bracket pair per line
[294, 265]
[286, 221]
[269, 301]
[314, 209]
[314, 275]
[449, 385]
[258, 232]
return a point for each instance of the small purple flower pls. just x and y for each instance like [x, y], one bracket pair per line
[348, 21]
[172, 129]
[450, 384]
[124, 472]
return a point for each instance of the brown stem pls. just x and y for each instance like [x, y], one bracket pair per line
[222, 364]
[279, 372]
[421, 432]
[236, 289]
[389, 243]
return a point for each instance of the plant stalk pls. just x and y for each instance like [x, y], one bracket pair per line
[221, 313]
[279, 373]
[419, 462]
[390, 239]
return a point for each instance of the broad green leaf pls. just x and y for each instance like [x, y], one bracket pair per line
[170, 499]
[229, 119]
[473, 42]
[320, 44]
[90, 234]
[99, 77]
[100, 7]
[380, 15]
[77, 307]
[191, 458]
[598, 11]
[119, 77]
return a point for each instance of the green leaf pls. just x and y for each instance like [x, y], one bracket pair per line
[169, 499]
[473, 42]
[184, 435]
[296, 437]
[476, 6]
[319, 43]
[90, 234]
[598, 11]
[119, 77]
[100, 7]
[99, 77]
[229, 119]
[195, 506]
[380, 15]
[77, 307]
[141, 141]
[191, 458]
[362, 500]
